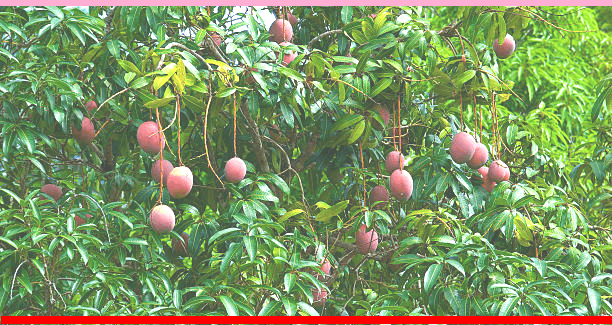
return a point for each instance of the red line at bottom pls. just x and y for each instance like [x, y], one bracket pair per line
[306, 319]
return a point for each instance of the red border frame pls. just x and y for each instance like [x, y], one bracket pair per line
[306, 319]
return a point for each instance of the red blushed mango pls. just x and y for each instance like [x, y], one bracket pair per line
[499, 171]
[292, 19]
[281, 31]
[180, 248]
[289, 57]
[157, 172]
[506, 48]
[379, 194]
[480, 157]
[90, 106]
[162, 219]
[80, 221]
[216, 38]
[483, 171]
[319, 297]
[384, 113]
[235, 170]
[326, 267]
[52, 190]
[149, 138]
[180, 182]
[401, 184]
[86, 134]
[395, 160]
[487, 184]
[366, 242]
[462, 147]
[248, 72]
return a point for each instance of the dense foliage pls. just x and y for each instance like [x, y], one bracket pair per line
[314, 140]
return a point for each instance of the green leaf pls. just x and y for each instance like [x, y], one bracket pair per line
[177, 298]
[308, 309]
[233, 248]
[135, 241]
[38, 265]
[13, 195]
[56, 11]
[290, 279]
[456, 264]
[129, 67]
[358, 36]
[594, 300]
[536, 301]
[250, 243]
[356, 132]
[363, 60]
[431, 276]
[464, 77]
[269, 308]
[35, 210]
[584, 260]
[8, 241]
[524, 235]
[465, 182]
[178, 78]
[226, 92]
[230, 306]
[597, 105]
[277, 181]
[223, 232]
[501, 27]
[381, 85]
[114, 48]
[76, 31]
[83, 252]
[290, 305]
[290, 214]
[24, 279]
[291, 74]
[598, 168]
[346, 14]
[140, 82]
[345, 122]
[512, 132]
[327, 214]
[161, 80]
[456, 301]
[508, 305]
[159, 102]
[287, 114]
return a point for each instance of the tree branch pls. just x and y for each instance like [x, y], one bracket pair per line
[331, 32]
[309, 149]
[212, 47]
[259, 151]
[183, 47]
[109, 19]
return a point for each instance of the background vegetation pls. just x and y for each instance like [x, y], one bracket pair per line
[314, 145]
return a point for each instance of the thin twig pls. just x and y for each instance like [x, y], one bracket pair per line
[206, 143]
[111, 97]
[103, 214]
[15, 276]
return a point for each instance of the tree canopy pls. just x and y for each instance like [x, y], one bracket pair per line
[325, 221]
